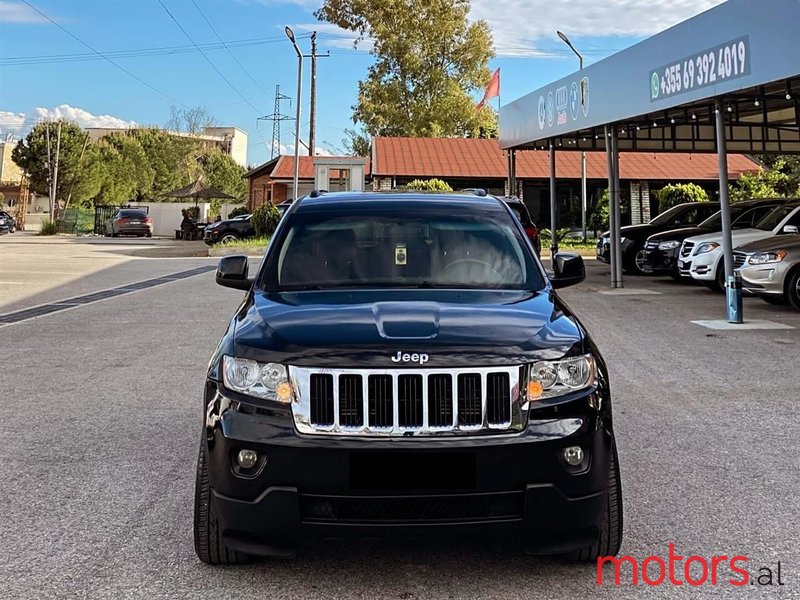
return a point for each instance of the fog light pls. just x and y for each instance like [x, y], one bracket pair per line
[248, 458]
[573, 455]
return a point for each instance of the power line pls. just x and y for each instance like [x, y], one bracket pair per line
[93, 49]
[233, 56]
[136, 52]
[208, 60]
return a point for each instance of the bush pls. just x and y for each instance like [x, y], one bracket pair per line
[238, 212]
[48, 227]
[265, 219]
[598, 218]
[672, 195]
[429, 185]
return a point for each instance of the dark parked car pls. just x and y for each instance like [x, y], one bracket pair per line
[634, 236]
[661, 249]
[229, 230]
[130, 221]
[521, 211]
[7, 223]
[402, 363]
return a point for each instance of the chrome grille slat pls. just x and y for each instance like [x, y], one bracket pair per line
[404, 401]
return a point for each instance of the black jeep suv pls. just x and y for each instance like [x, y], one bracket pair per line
[402, 363]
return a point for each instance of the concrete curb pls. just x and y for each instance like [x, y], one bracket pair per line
[250, 251]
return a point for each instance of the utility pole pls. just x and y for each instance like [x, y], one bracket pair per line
[312, 131]
[53, 208]
[276, 117]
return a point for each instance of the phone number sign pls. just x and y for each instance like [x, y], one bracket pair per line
[719, 64]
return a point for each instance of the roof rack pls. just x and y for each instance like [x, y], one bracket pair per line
[475, 191]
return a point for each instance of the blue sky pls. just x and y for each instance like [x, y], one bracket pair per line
[96, 93]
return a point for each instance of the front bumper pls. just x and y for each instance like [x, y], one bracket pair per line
[704, 266]
[763, 280]
[308, 486]
[661, 261]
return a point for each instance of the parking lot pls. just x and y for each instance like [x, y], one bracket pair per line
[103, 416]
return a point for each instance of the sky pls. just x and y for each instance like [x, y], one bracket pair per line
[229, 55]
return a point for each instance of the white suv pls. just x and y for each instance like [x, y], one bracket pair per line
[700, 256]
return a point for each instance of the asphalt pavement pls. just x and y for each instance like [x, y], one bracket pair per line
[102, 418]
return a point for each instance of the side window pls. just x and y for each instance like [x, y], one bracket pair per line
[688, 217]
[747, 218]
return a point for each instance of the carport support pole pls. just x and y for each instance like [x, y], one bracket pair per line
[733, 288]
[617, 210]
[553, 207]
[611, 255]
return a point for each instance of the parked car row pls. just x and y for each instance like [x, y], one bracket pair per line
[7, 223]
[765, 238]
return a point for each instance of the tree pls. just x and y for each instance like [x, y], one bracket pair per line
[128, 174]
[223, 172]
[429, 185]
[265, 219]
[782, 180]
[430, 60]
[31, 155]
[672, 195]
[193, 121]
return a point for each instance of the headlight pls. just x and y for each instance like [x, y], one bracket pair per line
[669, 245]
[763, 258]
[548, 379]
[268, 381]
[707, 247]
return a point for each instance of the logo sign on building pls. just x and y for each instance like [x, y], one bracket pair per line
[562, 102]
[713, 66]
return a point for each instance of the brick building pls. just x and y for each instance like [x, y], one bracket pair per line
[469, 163]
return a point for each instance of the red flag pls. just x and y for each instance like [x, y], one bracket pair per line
[492, 90]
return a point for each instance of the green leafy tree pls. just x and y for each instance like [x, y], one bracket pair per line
[223, 172]
[174, 160]
[781, 181]
[128, 174]
[598, 218]
[672, 195]
[429, 185]
[31, 155]
[430, 62]
[265, 219]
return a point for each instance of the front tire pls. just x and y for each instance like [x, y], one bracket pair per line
[718, 283]
[634, 261]
[208, 544]
[610, 538]
[793, 289]
[228, 238]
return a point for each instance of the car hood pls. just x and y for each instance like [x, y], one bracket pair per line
[636, 232]
[738, 236]
[787, 242]
[367, 328]
[678, 234]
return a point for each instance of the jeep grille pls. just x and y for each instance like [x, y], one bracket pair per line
[406, 401]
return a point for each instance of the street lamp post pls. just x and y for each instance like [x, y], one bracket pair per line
[565, 39]
[290, 35]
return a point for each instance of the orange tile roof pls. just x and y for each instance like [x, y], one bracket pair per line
[284, 169]
[483, 159]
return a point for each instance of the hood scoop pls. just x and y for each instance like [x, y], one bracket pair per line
[407, 320]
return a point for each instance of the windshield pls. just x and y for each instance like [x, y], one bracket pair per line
[773, 219]
[667, 216]
[401, 247]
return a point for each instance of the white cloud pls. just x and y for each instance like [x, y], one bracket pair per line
[521, 28]
[82, 117]
[18, 12]
[19, 124]
[288, 150]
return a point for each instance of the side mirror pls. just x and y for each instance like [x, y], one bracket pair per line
[790, 229]
[568, 269]
[232, 272]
